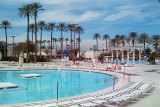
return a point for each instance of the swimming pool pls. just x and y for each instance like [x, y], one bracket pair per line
[71, 83]
[131, 62]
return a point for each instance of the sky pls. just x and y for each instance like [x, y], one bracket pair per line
[94, 16]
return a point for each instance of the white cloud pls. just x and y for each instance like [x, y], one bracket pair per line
[121, 15]
[66, 16]
[13, 2]
[136, 12]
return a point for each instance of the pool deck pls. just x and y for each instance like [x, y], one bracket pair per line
[152, 100]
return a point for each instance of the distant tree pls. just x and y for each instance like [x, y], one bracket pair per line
[62, 28]
[51, 27]
[32, 29]
[155, 39]
[148, 51]
[19, 48]
[70, 28]
[5, 25]
[41, 25]
[55, 40]
[26, 10]
[66, 39]
[30, 48]
[78, 40]
[2, 48]
[152, 57]
[122, 39]
[96, 37]
[80, 31]
[48, 41]
[112, 42]
[143, 38]
[106, 37]
[44, 41]
[36, 7]
[132, 37]
[117, 38]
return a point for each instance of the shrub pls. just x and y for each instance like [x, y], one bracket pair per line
[152, 57]
[10, 59]
[42, 59]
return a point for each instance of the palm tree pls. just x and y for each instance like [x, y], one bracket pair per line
[117, 38]
[44, 41]
[132, 37]
[96, 36]
[48, 41]
[61, 27]
[51, 27]
[70, 27]
[55, 40]
[78, 40]
[31, 28]
[143, 38]
[66, 39]
[25, 10]
[155, 39]
[41, 25]
[79, 30]
[4, 25]
[112, 42]
[36, 7]
[106, 37]
[123, 39]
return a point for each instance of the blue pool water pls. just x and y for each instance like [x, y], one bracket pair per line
[131, 62]
[84, 82]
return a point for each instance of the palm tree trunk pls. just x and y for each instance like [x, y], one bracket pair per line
[79, 45]
[106, 45]
[144, 44]
[66, 44]
[51, 43]
[35, 59]
[56, 46]
[61, 44]
[27, 38]
[40, 42]
[97, 44]
[71, 42]
[32, 36]
[133, 41]
[6, 40]
[156, 47]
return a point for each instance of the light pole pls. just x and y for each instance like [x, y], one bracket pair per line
[74, 42]
[13, 44]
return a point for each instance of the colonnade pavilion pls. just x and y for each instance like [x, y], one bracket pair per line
[129, 49]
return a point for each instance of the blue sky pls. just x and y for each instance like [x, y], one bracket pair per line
[95, 16]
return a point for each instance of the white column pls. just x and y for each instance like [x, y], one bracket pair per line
[139, 55]
[117, 55]
[133, 55]
[112, 55]
[127, 55]
[122, 55]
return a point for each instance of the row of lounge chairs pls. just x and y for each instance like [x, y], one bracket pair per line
[37, 66]
[115, 97]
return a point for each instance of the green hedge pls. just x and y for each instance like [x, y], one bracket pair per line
[10, 59]
[42, 59]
